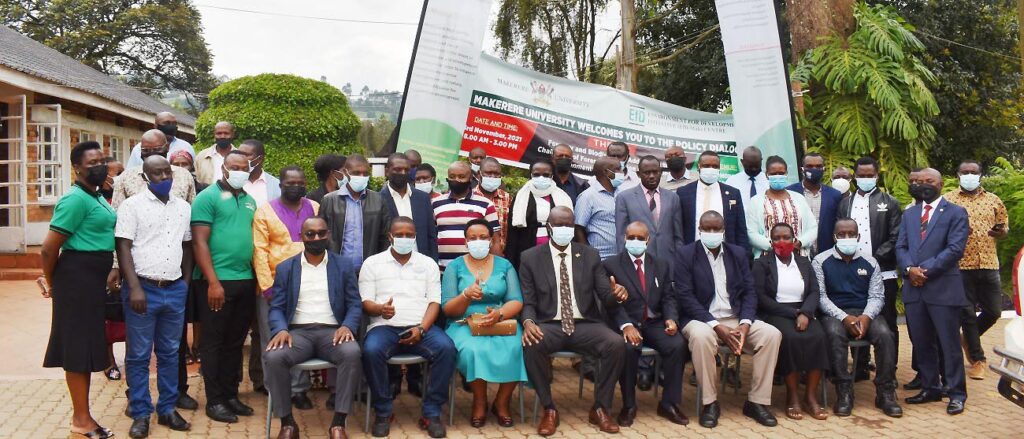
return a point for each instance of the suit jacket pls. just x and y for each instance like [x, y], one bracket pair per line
[659, 299]
[631, 205]
[766, 283]
[519, 239]
[422, 216]
[732, 205]
[591, 287]
[342, 289]
[939, 253]
[830, 199]
[695, 282]
[884, 215]
[376, 220]
[579, 184]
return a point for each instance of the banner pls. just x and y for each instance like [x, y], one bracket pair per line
[518, 115]
[761, 99]
[441, 77]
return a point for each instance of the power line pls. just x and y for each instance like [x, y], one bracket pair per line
[936, 37]
[310, 17]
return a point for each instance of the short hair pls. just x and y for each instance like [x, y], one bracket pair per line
[78, 151]
[234, 152]
[812, 154]
[708, 153]
[866, 161]
[478, 222]
[393, 156]
[290, 168]
[401, 220]
[648, 158]
[775, 159]
[256, 145]
[711, 214]
[327, 163]
[846, 219]
[538, 162]
[618, 143]
[427, 167]
[785, 225]
[356, 159]
[970, 162]
[489, 159]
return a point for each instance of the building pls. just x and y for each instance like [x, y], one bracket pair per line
[48, 103]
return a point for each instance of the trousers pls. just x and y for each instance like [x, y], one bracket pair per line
[157, 330]
[590, 339]
[309, 343]
[880, 337]
[762, 342]
[223, 336]
[381, 343]
[984, 289]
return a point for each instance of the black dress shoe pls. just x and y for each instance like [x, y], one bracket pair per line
[844, 399]
[955, 407]
[673, 414]
[925, 396]
[381, 426]
[759, 413]
[885, 400]
[301, 401]
[914, 384]
[238, 408]
[174, 421]
[709, 415]
[186, 402]
[221, 413]
[626, 416]
[140, 428]
[644, 382]
[434, 426]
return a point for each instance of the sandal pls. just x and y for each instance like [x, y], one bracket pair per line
[113, 374]
[195, 355]
[98, 433]
[816, 412]
[504, 421]
[794, 413]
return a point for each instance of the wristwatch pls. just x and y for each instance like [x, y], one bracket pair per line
[422, 331]
[501, 316]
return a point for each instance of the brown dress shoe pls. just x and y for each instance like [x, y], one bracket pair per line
[548, 422]
[337, 432]
[288, 432]
[626, 416]
[673, 414]
[976, 371]
[600, 418]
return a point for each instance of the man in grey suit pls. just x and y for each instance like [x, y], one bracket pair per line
[357, 218]
[657, 208]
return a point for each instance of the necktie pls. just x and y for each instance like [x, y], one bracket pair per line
[565, 297]
[707, 200]
[924, 219]
[753, 187]
[643, 284]
[653, 205]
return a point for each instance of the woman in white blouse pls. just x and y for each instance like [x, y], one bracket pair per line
[778, 205]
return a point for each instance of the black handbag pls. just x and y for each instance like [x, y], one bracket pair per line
[113, 309]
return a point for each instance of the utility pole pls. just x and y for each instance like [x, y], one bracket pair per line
[627, 57]
[1020, 26]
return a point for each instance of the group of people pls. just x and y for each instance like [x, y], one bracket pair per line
[489, 283]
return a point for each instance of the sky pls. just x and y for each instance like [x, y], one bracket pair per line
[376, 55]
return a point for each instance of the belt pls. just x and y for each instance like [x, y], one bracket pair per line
[158, 283]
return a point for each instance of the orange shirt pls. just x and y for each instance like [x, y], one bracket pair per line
[273, 244]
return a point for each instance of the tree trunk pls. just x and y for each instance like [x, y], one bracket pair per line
[627, 57]
[809, 20]
[1020, 26]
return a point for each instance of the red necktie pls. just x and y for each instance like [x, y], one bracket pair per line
[643, 283]
[924, 219]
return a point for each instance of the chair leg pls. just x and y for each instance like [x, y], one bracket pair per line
[451, 399]
[736, 388]
[657, 371]
[270, 409]
[522, 409]
[536, 406]
[369, 406]
[698, 401]
[580, 390]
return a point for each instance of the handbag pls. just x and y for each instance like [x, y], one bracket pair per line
[505, 327]
[113, 307]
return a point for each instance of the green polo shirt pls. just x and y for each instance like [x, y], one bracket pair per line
[86, 219]
[229, 217]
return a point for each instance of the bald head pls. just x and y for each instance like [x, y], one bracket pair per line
[165, 117]
[637, 230]
[153, 142]
[561, 216]
[605, 169]
[157, 169]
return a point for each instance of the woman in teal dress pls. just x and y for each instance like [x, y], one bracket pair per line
[481, 283]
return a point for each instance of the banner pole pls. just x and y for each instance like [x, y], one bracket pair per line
[797, 142]
[392, 145]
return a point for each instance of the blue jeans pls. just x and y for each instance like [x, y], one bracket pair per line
[381, 344]
[159, 330]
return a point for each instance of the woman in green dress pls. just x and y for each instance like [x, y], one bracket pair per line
[481, 283]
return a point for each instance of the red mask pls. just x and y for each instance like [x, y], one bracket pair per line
[783, 248]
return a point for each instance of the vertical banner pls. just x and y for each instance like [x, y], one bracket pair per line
[441, 79]
[757, 77]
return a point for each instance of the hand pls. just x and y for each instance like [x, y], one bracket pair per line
[492, 317]
[137, 300]
[863, 322]
[632, 335]
[618, 291]
[917, 276]
[280, 340]
[532, 334]
[729, 338]
[850, 323]
[801, 322]
[741, 332]
[671, 328]
[416, 336]
[797, 246]
[343, 335]
[474, 292]
[259, 292]
[215, 296]
[44, 286]
[998, 231]
[387, 310]
[114, 280]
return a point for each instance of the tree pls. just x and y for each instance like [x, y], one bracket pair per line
[374, 134]
[152, 45]
[297, 118]
[554, 37]
[812, 21]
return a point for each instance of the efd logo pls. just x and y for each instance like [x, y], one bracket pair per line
[637, 115]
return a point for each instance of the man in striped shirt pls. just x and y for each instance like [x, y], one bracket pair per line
[456, 208]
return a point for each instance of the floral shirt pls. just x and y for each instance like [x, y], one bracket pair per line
[984, 211]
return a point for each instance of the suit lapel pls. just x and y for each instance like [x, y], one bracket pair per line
[645, 207]
[630, 269]
[650, 276]
[936, 214]
[913, 228]
[549, 265]
[296, 282]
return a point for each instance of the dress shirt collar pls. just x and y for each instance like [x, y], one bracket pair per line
[639, 258]
[343, 190]
[706, 186]
[307, 264]
[934, 204]
[686, 176]
[262, 177]
[394, 193]
[649, 192]
[721, 251]
[555, 251]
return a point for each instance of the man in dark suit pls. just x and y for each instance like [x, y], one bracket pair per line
[822, 199]
[650, 308]
[718, 305]
[565, 289]
[315, 312]
[931, 242]
[403, 200]
[728, 203]
[357, 218]
[561, 159]
[657, 208]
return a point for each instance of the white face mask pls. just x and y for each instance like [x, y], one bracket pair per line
[237, 179]
[842, 185]
[427, 186]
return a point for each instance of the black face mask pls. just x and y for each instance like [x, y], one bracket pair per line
[316, 248]
[169, 129]
[923, 192]
[398, 180]
[752, 172]
[146, 154]
[221, 143]
[563, 164]
[458, 187]
[96, 175]
[676, 164]
[293, 193]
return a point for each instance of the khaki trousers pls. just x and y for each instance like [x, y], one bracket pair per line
[762, 342]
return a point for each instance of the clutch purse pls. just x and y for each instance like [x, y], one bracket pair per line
[505, 327]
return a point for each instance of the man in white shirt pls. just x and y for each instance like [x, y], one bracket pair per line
[167, 123]
[401, 292]
[315, 312]
[620, 151]
[209, 161]
[261, 186]
[752, 181]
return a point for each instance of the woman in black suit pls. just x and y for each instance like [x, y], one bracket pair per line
[787, 293]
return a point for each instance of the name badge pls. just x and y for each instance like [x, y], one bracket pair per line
[862, 272]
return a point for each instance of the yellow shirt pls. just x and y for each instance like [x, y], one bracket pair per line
[273, 244]
[984, 210]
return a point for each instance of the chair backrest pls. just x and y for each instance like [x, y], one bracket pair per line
[313, 364]
[566, 354]
[406, 359]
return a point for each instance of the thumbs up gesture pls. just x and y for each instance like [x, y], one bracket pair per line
[618, 291]
[387, 310]
[474, 292]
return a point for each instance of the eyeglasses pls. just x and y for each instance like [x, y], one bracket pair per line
[315, 234]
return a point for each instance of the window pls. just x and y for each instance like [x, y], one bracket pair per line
[117, 148]
[47, 163]
[85, 136]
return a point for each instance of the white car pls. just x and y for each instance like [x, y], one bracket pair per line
[1010, 366]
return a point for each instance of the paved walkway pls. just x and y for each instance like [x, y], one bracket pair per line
[34, 401]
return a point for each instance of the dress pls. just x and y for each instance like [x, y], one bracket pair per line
[495, 359]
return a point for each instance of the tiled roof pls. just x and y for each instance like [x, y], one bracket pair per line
[29, 56]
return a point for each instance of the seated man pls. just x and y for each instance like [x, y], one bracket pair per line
[314, 313]
[643, 281]
[718, 305]
[852, 296]
[401, 292]
[564, 288]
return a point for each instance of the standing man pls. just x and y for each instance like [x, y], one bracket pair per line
[490, 188]
[167, 123]
[476, 158]
[358, 218]
[710, 195]
[330, 173]
[678, 173]
[154, 249]
[980, 264]
[456, 208]
[841, 180]
[132, 181]
[210, 160]
[620, 152]
[595, 208]
[415, 160]
[261, 186]
[822, 200]
[752, 181]
[561, 159]
[654, 206]
[403, 200]
[222, 243]
[933, 234]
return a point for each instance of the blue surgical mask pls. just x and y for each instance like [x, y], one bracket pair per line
[479, 249]
[541, 183]
[712, 240]
[475, 167]
[867, 184]
[636, 247]
[161, 189]
[778, 182]
[622, 165]
[237, 179]
[490, 184]
[563, 235]
[847, 246]
[620, 178]
[342, 181]
[970, 182]
[404, 246]
[358, 182]
[709, 175]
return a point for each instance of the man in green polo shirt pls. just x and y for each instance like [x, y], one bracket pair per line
[222, 243]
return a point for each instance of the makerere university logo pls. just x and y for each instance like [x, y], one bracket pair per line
[542, 93]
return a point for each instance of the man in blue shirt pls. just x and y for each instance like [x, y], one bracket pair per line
[358, 218]
[167, 123]
[595, 208]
